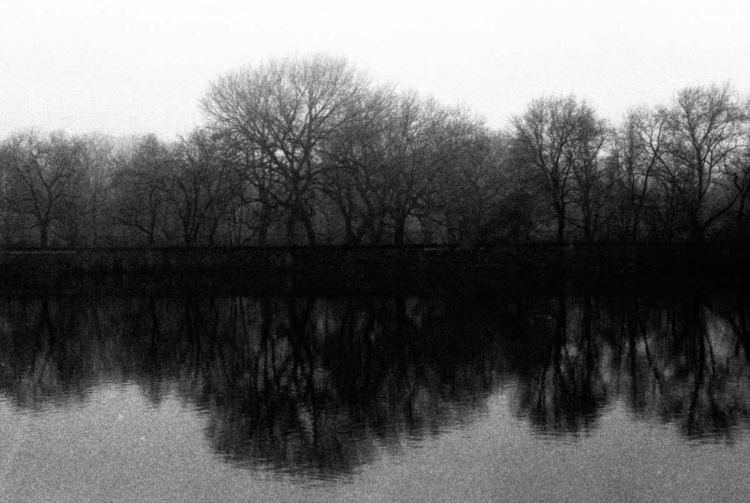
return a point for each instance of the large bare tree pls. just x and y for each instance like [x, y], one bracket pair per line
[284, 111]
[638, 146]
[594, 179]
[423, 142]
[354, 157]
[558, 140]
[704, 128]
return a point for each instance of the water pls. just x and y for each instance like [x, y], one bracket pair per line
[439, 398]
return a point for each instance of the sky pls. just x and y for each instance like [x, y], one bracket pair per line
[123, 67]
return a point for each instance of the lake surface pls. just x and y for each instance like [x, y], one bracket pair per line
[555, 397]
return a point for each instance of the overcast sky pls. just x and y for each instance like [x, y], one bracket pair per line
[138, 66]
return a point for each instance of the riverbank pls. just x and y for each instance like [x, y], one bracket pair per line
[375, 268]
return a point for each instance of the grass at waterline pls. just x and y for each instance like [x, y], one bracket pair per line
[376, 268]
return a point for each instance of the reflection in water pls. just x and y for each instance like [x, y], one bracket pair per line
[565, 388]
[320, 386]
[295, 384]
[681, 361]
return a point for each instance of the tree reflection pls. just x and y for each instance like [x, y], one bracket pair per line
[695, 371]
[680, 360]
[49, 356]
[322, 385]
[567, 389]
[318, 384]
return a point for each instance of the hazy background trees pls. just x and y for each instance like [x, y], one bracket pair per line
[45, 187]
[310, 151]
[139, 187]
[201, 189]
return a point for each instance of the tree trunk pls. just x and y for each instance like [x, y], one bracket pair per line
[561, 225]
[290, 225]
[740, 218]
[44, 234]
[309, 230]
[399, 232]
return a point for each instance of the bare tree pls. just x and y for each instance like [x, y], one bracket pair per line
[43, 177]
[423, 141]
[284, 111]
[389, 166]
[254, 210]
[638, 145]
[740, 175]
[139, 188]
[89, 223]
[478, 198]
[704, 131]
[594, 178]
[354, 156]
[554, 137]
[199, 187]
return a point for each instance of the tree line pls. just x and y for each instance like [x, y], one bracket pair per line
[310, 151]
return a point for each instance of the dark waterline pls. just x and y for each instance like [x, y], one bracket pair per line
[400, 398]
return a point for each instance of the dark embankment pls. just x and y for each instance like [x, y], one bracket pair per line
[375, 269]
